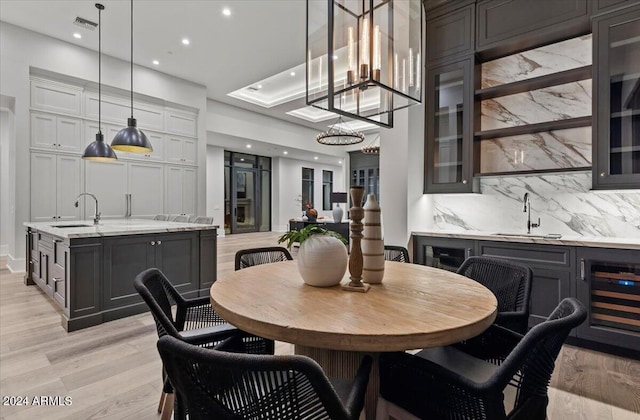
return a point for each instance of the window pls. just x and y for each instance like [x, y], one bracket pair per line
[307, 187]
[327, 189]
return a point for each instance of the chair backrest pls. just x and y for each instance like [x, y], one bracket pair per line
[161, 217]
[509, 281]
[159, 294]
[181, 218]
[215, 384]
[532, 361]
[203, 220]
[396, 253]
[256, 256]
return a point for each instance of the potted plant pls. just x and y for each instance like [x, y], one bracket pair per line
[322, 258]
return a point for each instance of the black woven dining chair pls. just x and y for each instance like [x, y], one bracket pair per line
[510, 282]
[444, 383]
[256, 256]
[195, 322]
[396, 253]
[215, 384]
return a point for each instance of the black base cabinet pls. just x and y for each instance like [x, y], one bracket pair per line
[606, 281]
[552, 266]
[609, 286]
[92, 278]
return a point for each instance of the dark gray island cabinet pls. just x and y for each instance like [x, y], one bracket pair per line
[89, 270]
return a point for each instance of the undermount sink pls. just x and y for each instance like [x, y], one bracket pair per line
[529, 235]
[70, 226]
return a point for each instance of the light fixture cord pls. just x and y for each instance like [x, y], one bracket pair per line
[99, 71]
[132, 59]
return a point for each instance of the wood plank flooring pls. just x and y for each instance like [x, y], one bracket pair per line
[112, 371]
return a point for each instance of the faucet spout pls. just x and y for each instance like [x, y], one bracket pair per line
[96, 216]
[527, 209]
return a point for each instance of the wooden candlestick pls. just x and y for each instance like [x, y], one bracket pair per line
[356, 213]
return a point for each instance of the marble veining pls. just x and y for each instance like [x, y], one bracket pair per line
[561, 56]
[564, 202]
[570, 148]
[553, 103]
[114, 227]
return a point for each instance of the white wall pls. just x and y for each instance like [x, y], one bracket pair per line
[7, 189]
[215, 186]
[22, 49]
[287, 180]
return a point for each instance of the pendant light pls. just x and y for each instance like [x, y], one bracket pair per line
[131, 138]
[98, 149]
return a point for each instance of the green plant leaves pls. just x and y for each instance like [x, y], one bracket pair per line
[307, 232]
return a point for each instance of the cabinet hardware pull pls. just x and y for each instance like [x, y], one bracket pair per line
[468, 252]
[601, 173]
[582, 277]
[153, 243]
[159, 242]
[57, 280]
[464, 181]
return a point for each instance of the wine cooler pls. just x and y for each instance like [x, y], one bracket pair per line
[609, 285]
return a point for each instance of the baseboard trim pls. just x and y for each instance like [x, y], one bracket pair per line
[15, 265]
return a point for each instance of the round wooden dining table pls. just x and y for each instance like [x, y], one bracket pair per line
[414, 307]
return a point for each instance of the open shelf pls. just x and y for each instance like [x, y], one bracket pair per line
[567, 76]
[533, 128]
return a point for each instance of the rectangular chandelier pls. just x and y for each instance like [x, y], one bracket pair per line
[364, 57]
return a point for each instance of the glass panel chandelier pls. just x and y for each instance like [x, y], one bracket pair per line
[364, 57]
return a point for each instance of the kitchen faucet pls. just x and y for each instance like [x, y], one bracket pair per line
[96, 216]
[527, 209]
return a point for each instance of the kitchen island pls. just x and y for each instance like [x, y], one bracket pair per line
[89, 269]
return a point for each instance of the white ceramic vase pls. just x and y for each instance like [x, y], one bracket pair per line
[372, 243]
[322, 261]
[337, 214]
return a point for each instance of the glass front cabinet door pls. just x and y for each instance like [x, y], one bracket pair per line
[448, 125]
[616, 141]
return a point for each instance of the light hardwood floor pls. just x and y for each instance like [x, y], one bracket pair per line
[112, 371]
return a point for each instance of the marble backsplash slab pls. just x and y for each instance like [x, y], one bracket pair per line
[564, 203]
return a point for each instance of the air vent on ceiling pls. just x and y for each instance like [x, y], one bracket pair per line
[85, 23]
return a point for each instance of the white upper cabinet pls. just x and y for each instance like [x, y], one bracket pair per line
[108, 182]
[57, 97]
[146, 186]
[181, 190]
[118, 110]
[181, 150]
[57, 132]
[55, 183]
[182, 122]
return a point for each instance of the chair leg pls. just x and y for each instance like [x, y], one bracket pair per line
[167, 407]
[163, 396]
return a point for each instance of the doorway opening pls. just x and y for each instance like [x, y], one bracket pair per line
[247, 193]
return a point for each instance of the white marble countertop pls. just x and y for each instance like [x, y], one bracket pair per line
[114, 227]
[535, 238]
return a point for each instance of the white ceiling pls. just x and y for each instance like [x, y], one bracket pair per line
[260, 39]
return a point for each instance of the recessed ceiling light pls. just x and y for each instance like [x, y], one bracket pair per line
[335, 57]
[259, 86]
[340, 162]
[315, 157]
[285, 153]
[77, 35]
[248, 146]
[226, 11]
[293, 73]
[156, 62]
[186, 41]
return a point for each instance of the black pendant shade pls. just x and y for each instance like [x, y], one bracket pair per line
[98, 149]
[131, 138]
